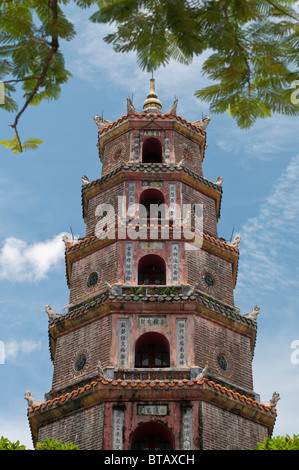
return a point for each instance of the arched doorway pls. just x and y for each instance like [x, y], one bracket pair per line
[152, 151]
[151, 270]
[152, 436]
[152, 350]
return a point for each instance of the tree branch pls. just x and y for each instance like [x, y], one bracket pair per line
[240, 47]
[282, 10]
[40, 80]
[21, 79]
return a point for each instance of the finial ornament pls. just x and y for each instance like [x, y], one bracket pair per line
[253, 314]
[203, 123]
[236, 241]
[30, 400]
[130, 107]
[173, 107]
[85, 180]
[100, 122]
[273, 401]
[204, 372]
[152, 104]
[50, 312]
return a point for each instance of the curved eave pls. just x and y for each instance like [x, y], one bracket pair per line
[131, 171]
[93, 243]
[179, 123]
[100, 390]
[198, 303]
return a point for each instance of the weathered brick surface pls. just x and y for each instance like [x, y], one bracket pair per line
[192, 196]
[212, 339]
[185, 147]
[116, 152]
[109, 196]
[200, 262]
[224, 430]
[104, 262]
[93, 340]
[84, 428]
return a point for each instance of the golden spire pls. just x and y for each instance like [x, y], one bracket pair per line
[152, 104]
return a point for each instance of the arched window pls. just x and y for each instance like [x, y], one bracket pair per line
[152, 436]
[154, 203]
[152, 350]
[151, 270]
[152, 151]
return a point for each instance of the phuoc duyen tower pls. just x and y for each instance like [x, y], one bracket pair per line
[151, 353]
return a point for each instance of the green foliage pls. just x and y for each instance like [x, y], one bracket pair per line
[252, 48]
[47, 444]
[279, 443]
[253, 44]
[16, 147]
[51, 444]
[5, 444]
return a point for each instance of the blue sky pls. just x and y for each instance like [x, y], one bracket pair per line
[40, 199]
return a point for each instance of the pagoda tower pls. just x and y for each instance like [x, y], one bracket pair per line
[151, 353]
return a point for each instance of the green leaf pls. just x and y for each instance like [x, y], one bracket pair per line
[14, 145]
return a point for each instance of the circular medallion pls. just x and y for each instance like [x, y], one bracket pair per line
[80, 363]
[93, 279]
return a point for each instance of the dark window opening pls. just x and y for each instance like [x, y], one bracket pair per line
[152, 151]
[152, 355]
[152, 436]
[151, 442]
[151, 270]
[152, 350]
[154, 204]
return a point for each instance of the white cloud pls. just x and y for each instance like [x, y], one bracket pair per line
[265, 139]
[22, 262]
[14, 348]
[269, 240]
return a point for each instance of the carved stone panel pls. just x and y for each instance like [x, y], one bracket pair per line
[128, 262]
[117, 429]
[123, 341]
[175, 266]
[181, 342]
[186, 427]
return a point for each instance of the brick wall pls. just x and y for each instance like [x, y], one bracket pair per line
[104, 262]
[224, 430]
[212, 339]
[192, 196]
[189, 148]
[200, 262]
[92, 340]
[109, 196]
[84, 428]
[116, 152]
